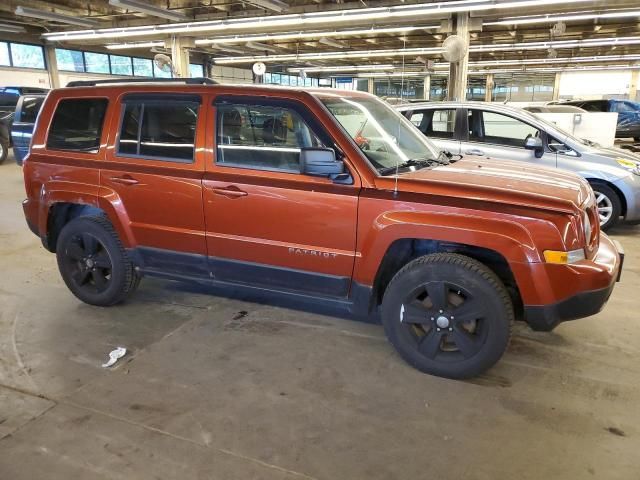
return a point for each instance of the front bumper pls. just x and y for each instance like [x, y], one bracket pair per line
[607, 265]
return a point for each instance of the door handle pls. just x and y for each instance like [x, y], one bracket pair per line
[125, 180]
[231, 192]
[475, 151]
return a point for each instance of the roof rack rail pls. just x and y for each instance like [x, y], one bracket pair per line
[187, 81]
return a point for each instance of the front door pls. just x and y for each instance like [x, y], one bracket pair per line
[154, 172]
[501, 136]
[269, 225]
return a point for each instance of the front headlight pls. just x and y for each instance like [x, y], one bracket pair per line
[629, 165]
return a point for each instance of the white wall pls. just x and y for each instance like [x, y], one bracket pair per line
[24, 77]
[595, 84]
[66, 77]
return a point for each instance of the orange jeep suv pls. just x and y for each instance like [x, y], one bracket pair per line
[324, 197]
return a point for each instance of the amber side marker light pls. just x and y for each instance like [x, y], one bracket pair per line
[564, 258]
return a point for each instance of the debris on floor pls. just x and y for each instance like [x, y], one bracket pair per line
[114, 356]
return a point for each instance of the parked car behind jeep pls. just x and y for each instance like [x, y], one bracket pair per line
[265, 191]
[9, 97]
[500, 131]
[24, 122]
[628, 114]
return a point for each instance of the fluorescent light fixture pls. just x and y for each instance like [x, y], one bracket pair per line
[410, 52]
[342, 68]
[227, 49]
[443, 66]
[346, 16]
[275, 5]
[506, 70]
[144, 7]
[543, 61]
[6, 27]
[314, 34]
[332, 43]
[533, 19]
[127, 46]
[413, 52]
[260, 46]
[589, 42]
[54, 17]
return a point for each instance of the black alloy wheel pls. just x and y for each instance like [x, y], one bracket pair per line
[88, 262]
[93, 263]
[448, 315]
[445, 321]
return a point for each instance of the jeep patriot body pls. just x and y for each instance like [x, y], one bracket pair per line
[323, 196]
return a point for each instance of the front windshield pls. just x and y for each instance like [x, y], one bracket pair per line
[386, 138]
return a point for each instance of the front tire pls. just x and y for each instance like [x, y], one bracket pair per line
[93, 263]
[609, 205]
[448, 315]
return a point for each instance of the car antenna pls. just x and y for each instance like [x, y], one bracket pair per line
[404, 46]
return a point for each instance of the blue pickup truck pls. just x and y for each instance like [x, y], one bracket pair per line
[15, 130]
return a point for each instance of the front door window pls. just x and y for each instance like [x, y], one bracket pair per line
[498, 129]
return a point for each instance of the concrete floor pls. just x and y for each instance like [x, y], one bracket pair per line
[224, 389]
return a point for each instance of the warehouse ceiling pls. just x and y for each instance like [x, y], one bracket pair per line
[503, 38]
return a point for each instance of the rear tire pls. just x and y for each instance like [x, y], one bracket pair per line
[609, 205]
[448, 315]
[4, 151]
[93, 263]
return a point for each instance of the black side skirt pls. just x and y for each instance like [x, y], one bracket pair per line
[259, 283]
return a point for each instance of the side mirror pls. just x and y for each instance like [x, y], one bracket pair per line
[535, 144]
[320, 162]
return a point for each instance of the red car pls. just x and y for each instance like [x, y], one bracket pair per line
[266, 190]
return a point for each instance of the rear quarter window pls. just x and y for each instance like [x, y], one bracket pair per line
[77, 125]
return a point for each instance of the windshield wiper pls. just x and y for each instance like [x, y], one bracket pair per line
[414, 162]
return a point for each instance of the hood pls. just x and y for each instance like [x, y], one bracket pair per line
[497, 181]
[614, 153]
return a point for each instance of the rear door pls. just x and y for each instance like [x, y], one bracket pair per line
[23, 124]
[153, 170]
[439, 125]
[501, 136]
[268, 225]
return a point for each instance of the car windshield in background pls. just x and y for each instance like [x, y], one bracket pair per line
[386, 138]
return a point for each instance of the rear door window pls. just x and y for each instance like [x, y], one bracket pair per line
[436, 123]
[29, 109]
[262, 137]
[77, 125]
[159, 129]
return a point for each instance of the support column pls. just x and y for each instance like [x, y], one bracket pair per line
[180, 55]
[427, 87]
[488, 88]
[457, 88]
[556, 87]
[52, 66]
[370, 85]
[633, 86]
